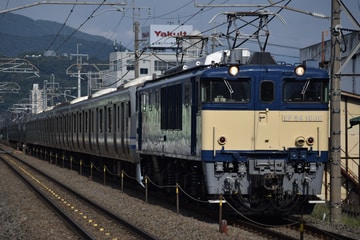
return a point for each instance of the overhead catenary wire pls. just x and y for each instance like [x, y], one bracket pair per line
[203, 9]
[112, 33]
[162, 16]
[81, 25]
[187, 20]
[170, 13]
[62, 27]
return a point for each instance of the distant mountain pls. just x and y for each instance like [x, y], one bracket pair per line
[20, 34]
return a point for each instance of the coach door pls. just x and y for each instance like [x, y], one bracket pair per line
[266, 132]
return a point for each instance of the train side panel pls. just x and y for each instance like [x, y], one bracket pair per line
[169, 121]
[104, 126]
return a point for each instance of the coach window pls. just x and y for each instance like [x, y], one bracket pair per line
[86, 121]
[70, 119]
[144, 101]
[156, 99]
[74, 122]
[100, 120]
[109, 119]
[151, 100]
[65, 123]
[187, 94]
[81, 125]
[267, 91]
[118, 117]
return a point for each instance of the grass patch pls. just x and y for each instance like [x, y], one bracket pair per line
[322, 211]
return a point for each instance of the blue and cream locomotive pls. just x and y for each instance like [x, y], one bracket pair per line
[228, 123]
[249, 129]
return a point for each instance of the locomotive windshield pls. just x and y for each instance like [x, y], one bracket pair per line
[223, 90]
[310, 91]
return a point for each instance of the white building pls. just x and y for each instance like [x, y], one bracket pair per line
[122, 66]
[350, 70]
[36, 99]
[162, 53]
[350, 109]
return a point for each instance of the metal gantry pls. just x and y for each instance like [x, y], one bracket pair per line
[15, 65]
[46, 2]
[335, 111]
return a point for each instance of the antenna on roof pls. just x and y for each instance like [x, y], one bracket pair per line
[115, 46]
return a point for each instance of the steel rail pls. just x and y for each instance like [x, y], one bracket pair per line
[72, 223]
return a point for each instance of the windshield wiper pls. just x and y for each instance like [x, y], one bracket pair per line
[227, 84]
[305, 87]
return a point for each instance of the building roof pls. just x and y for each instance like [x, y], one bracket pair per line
[351, 95]
[354, 121]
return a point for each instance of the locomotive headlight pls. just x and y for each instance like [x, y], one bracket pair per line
[300, 141]
[310, 141]
[222, 140]
[233, 70]
[300, 70]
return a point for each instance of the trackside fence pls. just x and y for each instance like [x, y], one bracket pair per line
[146, 181]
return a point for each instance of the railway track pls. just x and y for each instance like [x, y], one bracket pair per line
[88, 219]
[297, 223]
[289, 229]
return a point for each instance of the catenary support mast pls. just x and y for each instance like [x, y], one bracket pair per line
[335, 144]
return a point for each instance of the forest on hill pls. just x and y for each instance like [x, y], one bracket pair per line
[33, 40]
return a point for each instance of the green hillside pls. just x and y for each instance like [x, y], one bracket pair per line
[23, 37]
[20, 35]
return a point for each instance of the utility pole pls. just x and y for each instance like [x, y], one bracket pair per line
[136, 30]
[335, 108]
[136, 42]
[136, 49]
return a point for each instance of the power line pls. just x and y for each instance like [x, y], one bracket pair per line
[81, 25]
[62, 27]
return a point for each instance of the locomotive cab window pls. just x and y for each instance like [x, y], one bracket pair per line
[311, 91]
[223, 90]
[267, 91]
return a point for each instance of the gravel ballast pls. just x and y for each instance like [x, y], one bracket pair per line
[23, 216]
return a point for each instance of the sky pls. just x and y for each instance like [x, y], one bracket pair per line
[289, 31]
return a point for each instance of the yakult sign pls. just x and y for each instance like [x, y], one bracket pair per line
[163, 36]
